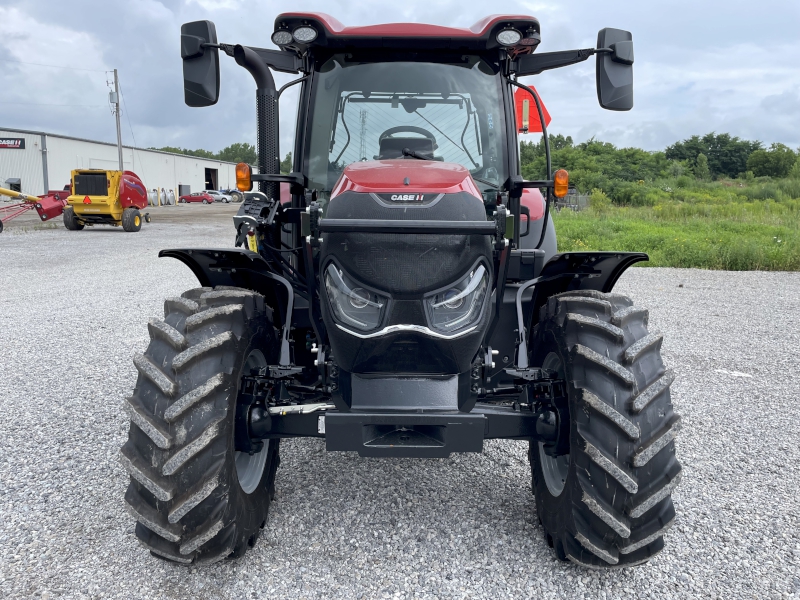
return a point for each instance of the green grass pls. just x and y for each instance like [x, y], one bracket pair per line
[682, 212]
[735, 236]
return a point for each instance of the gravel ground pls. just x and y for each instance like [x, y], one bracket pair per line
[73, 309]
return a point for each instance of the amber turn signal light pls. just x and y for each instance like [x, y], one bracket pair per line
[244, 179]
[561, 183]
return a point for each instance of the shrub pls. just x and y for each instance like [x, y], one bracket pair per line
[599, 201]
[775, 162]
[701, 170]
[794, 173]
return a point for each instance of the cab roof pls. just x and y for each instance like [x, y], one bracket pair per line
[481, 36]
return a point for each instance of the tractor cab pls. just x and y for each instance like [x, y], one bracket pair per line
[407, 93]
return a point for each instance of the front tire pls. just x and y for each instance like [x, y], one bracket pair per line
[195, 498]
[607, 502]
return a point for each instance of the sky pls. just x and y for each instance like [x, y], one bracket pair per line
[701, 65]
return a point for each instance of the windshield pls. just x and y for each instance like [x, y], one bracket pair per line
[380, 111]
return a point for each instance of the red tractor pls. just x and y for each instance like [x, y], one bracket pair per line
[405, 298]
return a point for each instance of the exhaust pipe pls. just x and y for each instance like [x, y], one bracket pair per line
[266, 115]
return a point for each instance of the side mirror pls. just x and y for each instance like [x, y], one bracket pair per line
[200, 63]
[615, 69]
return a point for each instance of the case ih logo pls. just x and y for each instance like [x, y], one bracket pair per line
[15, 143]
[404, 197]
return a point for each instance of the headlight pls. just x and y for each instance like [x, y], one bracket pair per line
[304, 35]
[509, 37]
[352, 305]
[459, 306]
[281, 37]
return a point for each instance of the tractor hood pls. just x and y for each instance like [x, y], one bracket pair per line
[406, 176]
[392, 299]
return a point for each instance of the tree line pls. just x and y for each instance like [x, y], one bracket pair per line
[235, 153]
[595, 164]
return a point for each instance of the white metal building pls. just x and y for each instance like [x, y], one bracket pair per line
[34, 162]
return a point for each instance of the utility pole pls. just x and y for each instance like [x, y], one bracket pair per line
[114, 98]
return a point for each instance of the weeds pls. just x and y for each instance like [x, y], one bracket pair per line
[735, 237]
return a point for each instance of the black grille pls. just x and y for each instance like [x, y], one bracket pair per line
[91, 184]
[268, 160]
[406, 265]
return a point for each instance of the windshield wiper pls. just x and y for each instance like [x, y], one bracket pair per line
[489, 183]
[417, 155]
[463, 146]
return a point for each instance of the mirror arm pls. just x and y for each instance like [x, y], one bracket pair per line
[226, 48]
[286, 62]
[533, 64]
[278, 60]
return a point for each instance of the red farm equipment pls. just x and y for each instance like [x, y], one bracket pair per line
[48, 206]
[101, 197]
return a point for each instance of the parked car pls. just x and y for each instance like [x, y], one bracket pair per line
[219, 196]
[203, 197]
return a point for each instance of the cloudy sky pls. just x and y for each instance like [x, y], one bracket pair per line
[701, 65]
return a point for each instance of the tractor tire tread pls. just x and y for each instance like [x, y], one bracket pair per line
[168, 333]
[613, 415]
[183, 490]
[598, 324]
[618, 502]
[610, 466]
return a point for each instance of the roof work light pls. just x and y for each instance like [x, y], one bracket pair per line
[304, 34]
[509, 37]
[282, 37]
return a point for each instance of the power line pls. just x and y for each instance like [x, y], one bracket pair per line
[22, 62]
[130, 126]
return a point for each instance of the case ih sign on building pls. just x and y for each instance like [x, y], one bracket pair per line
[13, 143]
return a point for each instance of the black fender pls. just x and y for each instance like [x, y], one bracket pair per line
[580, 271]
[244, 269]
[562, 273]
